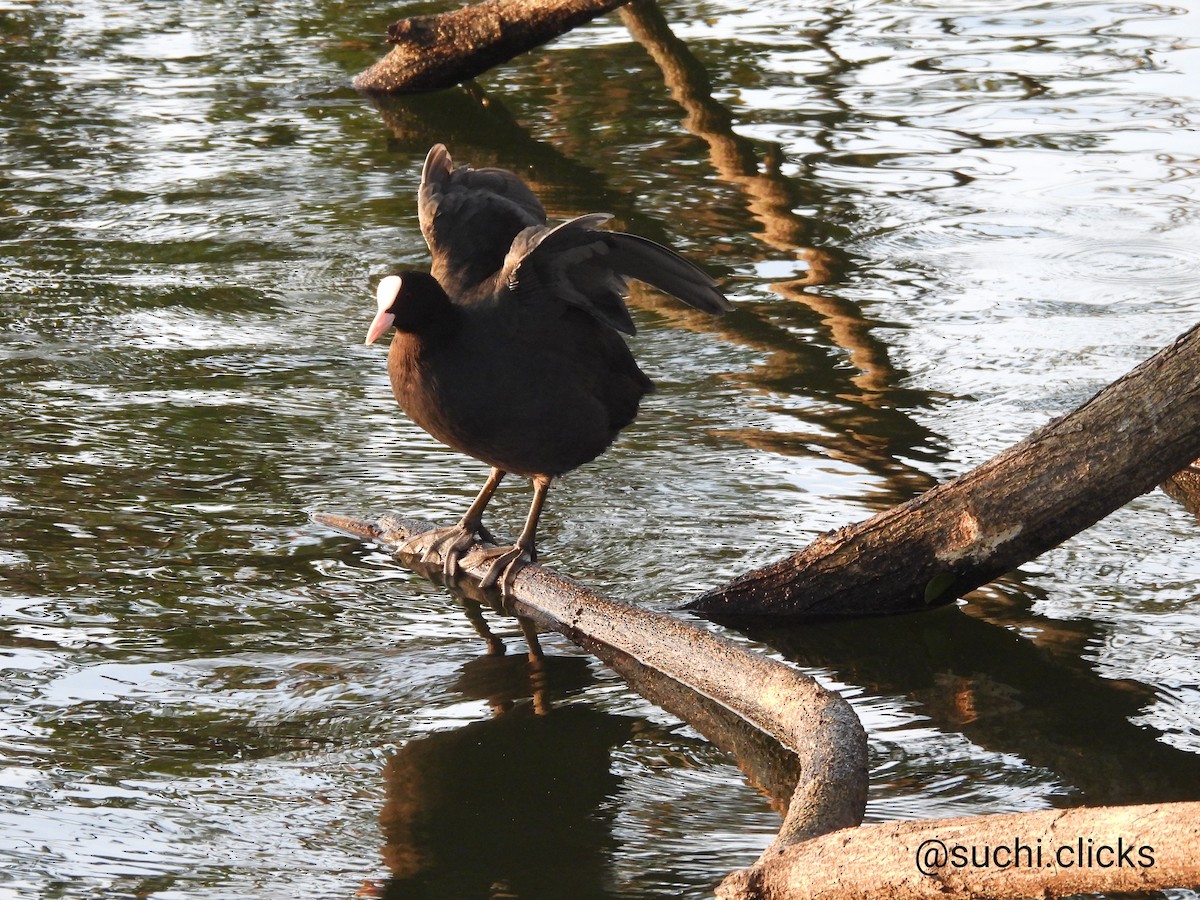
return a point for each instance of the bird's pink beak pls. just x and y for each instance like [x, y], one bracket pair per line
[385, 296]
[382, 322]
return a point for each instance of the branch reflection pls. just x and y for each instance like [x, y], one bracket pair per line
[1038, 698]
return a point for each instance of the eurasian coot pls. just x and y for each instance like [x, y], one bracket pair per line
[509, 350]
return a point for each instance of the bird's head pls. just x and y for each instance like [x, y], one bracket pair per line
[410, 301]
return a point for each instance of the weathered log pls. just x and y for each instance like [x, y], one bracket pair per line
[1051, 853]
[1065, 477]
[430, 53]
[815, 724]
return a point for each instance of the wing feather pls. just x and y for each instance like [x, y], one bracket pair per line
[469, 218]
[579, 265]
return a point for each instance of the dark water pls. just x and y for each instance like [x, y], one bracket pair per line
[942, 223]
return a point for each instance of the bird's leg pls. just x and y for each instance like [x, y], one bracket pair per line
[459, 537]
[507, 561]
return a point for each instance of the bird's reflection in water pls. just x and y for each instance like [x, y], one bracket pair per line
[512, 806]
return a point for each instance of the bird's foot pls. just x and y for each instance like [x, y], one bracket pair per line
[449, 542]
[506, 562]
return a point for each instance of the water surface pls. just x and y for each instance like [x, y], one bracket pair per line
[942, 224]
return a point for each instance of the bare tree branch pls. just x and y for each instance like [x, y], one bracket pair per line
[815, 724]
[434, 52]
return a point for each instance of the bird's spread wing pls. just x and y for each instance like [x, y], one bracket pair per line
[470, 217]
[578, 265]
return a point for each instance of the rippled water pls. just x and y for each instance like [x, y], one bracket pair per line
[942, 223]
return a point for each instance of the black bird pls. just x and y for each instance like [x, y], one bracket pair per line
[509, 351]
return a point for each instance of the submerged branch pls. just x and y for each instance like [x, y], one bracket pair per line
[815, 724]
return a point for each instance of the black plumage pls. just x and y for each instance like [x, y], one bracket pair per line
[509, 349]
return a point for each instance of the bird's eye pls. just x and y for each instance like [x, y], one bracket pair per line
[387, 292]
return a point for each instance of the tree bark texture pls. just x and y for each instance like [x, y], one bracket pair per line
[815, 724]
[430, 53]
[1134, 434]
[1051, 853]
